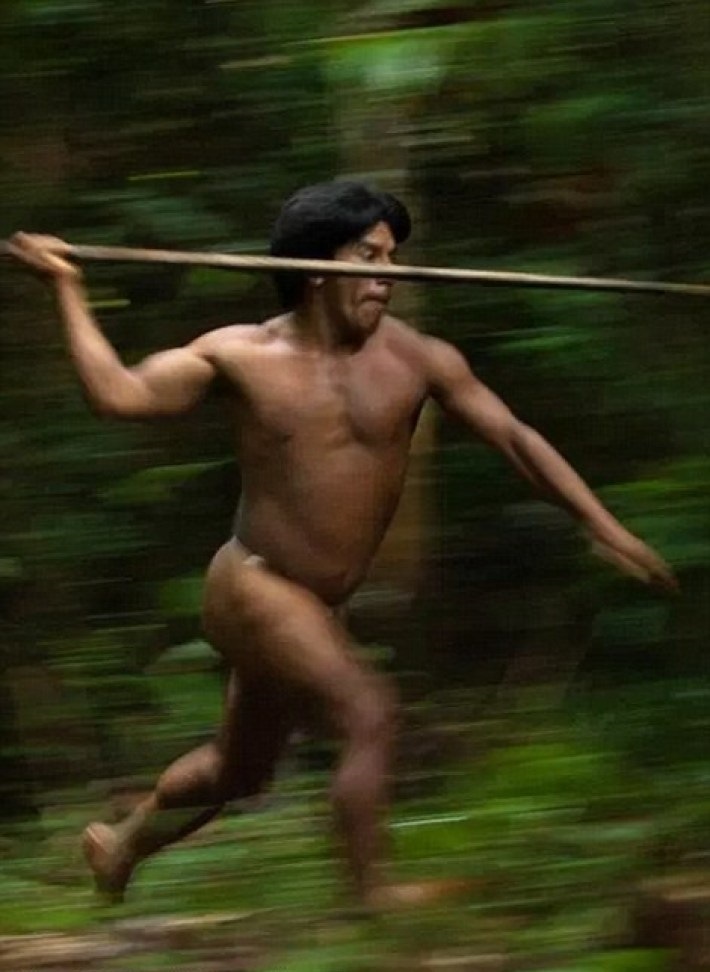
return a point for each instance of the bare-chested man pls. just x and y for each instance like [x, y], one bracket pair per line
[324, 401]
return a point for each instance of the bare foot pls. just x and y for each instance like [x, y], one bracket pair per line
[100, 844]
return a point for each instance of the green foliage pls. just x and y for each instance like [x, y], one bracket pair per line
[554, 137]
[398, 62]
[182, 596]
[350, 957]
[156, 485]
[559, 826]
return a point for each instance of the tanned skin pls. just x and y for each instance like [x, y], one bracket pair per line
[324, 402]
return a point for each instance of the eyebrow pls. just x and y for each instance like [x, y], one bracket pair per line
[366, 241]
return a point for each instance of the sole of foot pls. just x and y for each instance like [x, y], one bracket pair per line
[99, 843]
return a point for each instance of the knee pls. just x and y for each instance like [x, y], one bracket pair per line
[372, 713]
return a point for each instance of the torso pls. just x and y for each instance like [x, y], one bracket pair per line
[323, 442]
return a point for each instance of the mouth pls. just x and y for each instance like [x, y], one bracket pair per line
[372, 310]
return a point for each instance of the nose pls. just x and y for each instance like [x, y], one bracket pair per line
[384, 281]
[381, 288]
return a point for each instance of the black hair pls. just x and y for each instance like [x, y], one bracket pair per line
[317, 220]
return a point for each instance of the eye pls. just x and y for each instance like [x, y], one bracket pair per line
[366, 251]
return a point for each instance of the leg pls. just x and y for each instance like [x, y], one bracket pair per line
[238, 763]
[272, 629]
[360, 788]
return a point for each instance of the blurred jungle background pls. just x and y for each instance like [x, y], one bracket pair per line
[555, 736]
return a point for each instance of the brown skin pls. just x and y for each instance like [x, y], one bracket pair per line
[324, 404]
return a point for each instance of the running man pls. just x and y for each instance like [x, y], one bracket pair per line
[324, 400]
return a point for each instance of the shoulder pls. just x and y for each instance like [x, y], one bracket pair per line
[234, 342]
[225, 337]
[438, 360]
[402, 339]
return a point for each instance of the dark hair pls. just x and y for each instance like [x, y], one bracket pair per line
[317, 220]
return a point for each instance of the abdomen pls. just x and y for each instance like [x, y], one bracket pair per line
[319, 518]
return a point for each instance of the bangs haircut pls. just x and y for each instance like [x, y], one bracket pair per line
[317, 220]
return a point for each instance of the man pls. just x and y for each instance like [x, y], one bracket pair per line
[324, 399]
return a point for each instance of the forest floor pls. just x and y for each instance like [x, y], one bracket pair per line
[579, 861]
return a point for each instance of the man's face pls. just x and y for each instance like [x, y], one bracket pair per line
[356, 304]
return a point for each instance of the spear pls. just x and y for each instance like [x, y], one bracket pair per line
[485, 278]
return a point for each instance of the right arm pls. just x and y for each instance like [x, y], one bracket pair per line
[164, 384]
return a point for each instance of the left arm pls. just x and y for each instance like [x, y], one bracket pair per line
[463, 396]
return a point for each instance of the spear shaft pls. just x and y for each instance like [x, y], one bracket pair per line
[485, 278]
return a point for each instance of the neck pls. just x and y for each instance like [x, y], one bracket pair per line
[315, 328]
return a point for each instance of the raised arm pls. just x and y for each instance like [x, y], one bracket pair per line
[464, 397]
[164, 384]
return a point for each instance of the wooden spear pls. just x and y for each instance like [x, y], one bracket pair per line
[486, 278]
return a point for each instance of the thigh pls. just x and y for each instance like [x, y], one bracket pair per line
[277, 633]
[258, 719]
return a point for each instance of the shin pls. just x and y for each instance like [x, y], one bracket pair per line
[360, 788]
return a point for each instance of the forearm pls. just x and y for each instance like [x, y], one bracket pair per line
[464, 397]
[104, 378]
[554, 478]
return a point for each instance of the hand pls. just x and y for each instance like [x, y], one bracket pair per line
[633, 557]
[43, 254]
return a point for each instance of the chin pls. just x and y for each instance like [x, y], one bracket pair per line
[370, 324]
[363, 326]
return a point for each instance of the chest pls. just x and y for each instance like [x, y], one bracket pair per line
[371, 399]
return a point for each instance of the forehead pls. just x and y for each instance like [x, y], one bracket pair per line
[379, 235]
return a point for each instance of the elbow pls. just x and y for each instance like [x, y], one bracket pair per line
[100, 408]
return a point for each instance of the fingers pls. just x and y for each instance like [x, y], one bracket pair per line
[43, 254]
[625, 564]
[664, 578]
[36, 243]
[659, 573]
[42, 241]
[22, 250]
[638, 561]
